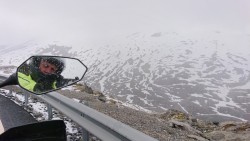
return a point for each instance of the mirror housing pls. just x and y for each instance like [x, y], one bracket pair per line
[43, 74]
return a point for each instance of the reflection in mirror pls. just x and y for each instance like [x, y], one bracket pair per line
[42, 74]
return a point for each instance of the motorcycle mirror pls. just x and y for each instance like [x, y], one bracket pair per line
[43, 74]
[54, 130]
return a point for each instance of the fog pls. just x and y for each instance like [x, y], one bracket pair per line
[82, 21]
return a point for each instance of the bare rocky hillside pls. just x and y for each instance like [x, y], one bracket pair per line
[170, 125]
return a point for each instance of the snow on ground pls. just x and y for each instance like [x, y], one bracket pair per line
[7, 73]
[3, 74]
[71, 88]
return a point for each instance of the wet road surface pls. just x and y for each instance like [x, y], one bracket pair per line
[12, 115]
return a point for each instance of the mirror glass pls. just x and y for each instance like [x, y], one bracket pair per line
[42, 74]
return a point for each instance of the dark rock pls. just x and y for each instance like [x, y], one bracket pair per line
[102, 98]
[216, 123]
[184, 126]
[88, 89]
[193, 119]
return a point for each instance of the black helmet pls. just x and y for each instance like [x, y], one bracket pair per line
[36, 73]
[58, 62]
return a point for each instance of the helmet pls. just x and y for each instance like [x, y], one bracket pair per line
[58, 62]
[37, 74]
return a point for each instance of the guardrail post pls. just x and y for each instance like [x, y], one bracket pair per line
[50, 114]
[85, 135]
[26, 97]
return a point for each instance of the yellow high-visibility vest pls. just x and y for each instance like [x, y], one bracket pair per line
[28, 83]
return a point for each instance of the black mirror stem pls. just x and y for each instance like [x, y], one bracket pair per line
[12, 80]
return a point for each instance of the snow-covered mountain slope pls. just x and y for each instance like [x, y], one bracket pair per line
[165, 70]
[204, 75]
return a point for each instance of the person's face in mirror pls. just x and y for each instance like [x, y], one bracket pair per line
[47, 68]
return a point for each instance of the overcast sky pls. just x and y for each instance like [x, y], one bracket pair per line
[88, 20]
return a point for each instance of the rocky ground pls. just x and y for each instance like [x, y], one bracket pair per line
[172, 125]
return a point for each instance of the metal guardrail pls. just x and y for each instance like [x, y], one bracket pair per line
[94, 122]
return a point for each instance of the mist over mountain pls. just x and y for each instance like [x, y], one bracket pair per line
[207, 76]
